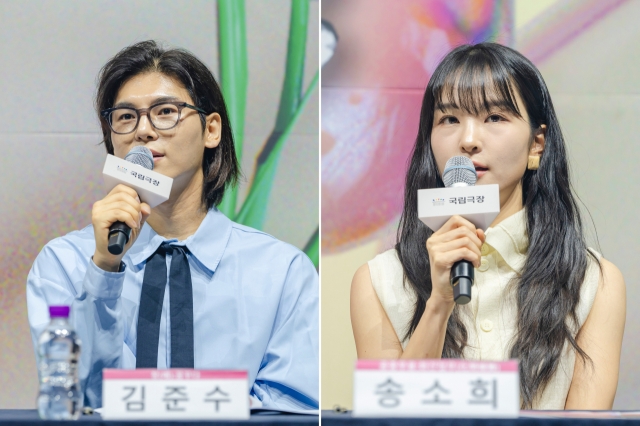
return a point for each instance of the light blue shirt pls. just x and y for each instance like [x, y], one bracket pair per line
[255, 307]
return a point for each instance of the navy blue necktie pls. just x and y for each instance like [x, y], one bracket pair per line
[180, 308]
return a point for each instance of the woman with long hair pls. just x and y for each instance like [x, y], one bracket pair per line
[540, 295]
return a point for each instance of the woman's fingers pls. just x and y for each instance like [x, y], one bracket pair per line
[447, 253]
[481, 235]
[456, 222]
[462, 232]
[458, 239]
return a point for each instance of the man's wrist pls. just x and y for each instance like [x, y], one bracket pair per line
[108, 267]
[103, 284]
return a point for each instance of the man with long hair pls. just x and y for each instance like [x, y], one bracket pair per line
[192, 289]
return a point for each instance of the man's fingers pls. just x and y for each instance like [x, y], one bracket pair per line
[120, 188]
[122, 197]
[114, 213]
[123, 216]
[145, 212]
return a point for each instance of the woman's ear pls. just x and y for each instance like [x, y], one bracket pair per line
[537, 145]
[212, 130]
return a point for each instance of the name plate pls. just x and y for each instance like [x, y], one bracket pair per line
[436, 388]
[152, 187]
[174, 394]
[478, 204]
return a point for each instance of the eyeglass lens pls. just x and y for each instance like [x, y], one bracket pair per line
[163, 117]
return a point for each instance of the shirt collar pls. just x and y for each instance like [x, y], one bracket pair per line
[207, 244]
[510, 239]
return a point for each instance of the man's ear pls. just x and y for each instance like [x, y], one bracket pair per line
[537, 146]
[212, 130]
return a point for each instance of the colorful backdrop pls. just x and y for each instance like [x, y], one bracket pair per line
[264, 53]
[378, 57]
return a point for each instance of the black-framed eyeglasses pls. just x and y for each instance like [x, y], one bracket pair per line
[162, 116]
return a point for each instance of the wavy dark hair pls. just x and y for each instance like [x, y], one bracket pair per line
[548, 287]
[220, 165]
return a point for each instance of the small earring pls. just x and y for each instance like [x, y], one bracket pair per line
[534, 162]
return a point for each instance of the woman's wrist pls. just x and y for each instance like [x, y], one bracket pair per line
[440, 305]
[427, 340]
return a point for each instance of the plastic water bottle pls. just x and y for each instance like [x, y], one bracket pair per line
[60, 397]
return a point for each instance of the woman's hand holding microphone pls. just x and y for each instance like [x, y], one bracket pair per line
[458, 239]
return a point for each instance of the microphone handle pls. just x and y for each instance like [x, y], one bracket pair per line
[119, 234]
[461, 279]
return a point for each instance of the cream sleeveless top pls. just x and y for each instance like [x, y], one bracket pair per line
[490, 317]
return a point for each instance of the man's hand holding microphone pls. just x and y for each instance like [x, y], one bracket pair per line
[118, 218]
[122, 204]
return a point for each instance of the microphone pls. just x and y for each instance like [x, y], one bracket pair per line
[478, 204]
[460, 172]
[119, 232]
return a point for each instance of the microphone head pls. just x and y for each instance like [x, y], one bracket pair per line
[459, 171]
[140, 155]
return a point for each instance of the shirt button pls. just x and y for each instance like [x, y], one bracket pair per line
[484, 265]
[486, 325]
[485, 249]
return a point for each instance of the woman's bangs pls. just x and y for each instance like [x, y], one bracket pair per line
[476, 86]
